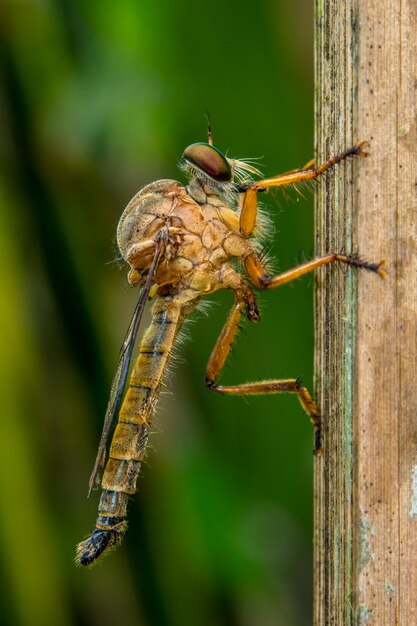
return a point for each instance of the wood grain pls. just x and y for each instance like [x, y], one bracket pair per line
[366, 329]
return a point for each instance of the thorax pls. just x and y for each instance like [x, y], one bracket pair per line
[203, 234]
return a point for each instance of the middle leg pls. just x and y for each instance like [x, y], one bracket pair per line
[261, 279]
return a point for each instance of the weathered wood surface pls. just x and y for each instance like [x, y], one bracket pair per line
[366, 361]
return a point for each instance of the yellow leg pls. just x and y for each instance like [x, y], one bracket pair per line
[218, 358]
[309, 172]
[260, 278]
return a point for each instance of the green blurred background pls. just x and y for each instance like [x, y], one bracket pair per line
[97, 99]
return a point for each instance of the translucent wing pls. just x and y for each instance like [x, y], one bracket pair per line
[119, 379]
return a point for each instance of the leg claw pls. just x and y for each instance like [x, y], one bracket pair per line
[359, 148]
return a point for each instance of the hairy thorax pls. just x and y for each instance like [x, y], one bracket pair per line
[202, 237]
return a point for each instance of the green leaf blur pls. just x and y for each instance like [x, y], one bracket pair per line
[97, 99]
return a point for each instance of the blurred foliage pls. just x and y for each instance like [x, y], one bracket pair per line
[96, 100]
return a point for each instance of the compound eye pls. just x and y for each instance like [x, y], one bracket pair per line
[209, 160]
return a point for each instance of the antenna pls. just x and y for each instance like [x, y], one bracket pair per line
[209, 133]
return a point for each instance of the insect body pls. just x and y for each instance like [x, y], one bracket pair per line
[181, 243]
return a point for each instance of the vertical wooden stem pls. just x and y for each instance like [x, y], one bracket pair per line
[366, 329]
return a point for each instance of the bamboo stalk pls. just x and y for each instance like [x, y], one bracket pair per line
[366, 483]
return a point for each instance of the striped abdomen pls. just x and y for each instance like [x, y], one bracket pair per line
[130, 437]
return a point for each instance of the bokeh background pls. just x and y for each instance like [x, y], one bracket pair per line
[97, 99]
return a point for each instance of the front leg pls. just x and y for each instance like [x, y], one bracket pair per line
[309, 172]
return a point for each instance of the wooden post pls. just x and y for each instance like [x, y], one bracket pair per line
[366, 328]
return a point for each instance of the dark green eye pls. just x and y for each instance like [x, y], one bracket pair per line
[209, 160]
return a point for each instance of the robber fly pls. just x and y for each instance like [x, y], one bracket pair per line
[181, 243]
